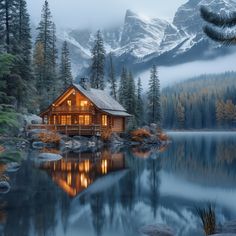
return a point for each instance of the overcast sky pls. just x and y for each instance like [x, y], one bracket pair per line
[100, 13]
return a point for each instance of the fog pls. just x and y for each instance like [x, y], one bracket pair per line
[101, 13]
[171, 75]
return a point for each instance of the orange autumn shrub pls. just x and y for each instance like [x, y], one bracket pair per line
[106, 135]
[163, 137]
[50, 137]
[139, 135]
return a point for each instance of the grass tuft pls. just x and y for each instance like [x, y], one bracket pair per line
[208, 218]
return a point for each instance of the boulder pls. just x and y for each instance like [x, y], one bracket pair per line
[157, 230]
[49, 157]
[4, 187]
[38, 145]
[12, 167]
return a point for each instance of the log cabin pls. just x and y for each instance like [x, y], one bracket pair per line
[81, 110]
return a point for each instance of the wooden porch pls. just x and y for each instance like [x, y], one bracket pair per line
[84, 130]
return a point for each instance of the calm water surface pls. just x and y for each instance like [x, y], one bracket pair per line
[115, 192]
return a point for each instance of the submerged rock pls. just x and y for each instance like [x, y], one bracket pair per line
[49, 157]
[13, 167]
[157, 230]
[4, 187]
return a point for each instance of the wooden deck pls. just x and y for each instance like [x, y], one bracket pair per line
[84, 130]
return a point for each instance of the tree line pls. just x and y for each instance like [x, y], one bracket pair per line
[207, 101]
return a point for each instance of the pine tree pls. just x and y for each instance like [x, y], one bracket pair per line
[222, 22]
[130, 95]
[98, 63]
[139, 103]
[180, 114]
[154, 102]
[45, 49]
[220, 113]
[8, 12]
[122, 92]
[65, 67]
[112, 78]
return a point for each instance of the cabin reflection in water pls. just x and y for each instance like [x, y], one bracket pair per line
[76, 171]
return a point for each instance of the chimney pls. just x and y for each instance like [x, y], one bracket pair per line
[85, 83]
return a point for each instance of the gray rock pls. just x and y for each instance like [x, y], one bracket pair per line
[4, 187]
[39, 145]
[49, 157]
[157, 230]
[13, 167]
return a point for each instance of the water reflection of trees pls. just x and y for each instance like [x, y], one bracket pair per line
[205, 159]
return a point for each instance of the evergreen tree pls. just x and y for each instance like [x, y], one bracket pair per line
[139, 103]
[45, 57]
[65, 66]
[180, 113]
[154, 102]
[98, 63]
[16, 39]
[130, 95]
[222, 22]
[122, 92]
[112, 78]
[8, 12]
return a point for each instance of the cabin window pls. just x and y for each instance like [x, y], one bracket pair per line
[104, 120]
[83, 104]
[54, 120]
[84, 120]
[81, 120]
[69, 103]
[63, 120]
[66, 120]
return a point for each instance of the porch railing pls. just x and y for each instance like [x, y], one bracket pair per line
[70, 129]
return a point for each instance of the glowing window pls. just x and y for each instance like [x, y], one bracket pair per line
[83, 104]
[63, 120]
[68, 120]
[86, 120]
[104, 120]
[54, 120]
[69, 103]
[81, 120]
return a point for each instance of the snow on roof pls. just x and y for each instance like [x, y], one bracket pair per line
[102, 100]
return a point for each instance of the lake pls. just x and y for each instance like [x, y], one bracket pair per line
[116, 192]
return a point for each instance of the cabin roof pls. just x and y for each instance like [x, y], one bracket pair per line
[103, 101]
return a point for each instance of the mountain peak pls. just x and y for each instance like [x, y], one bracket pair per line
[130, 13]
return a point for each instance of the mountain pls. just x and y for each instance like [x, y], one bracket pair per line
[141, 41]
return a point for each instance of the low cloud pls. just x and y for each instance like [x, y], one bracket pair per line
[173, 74]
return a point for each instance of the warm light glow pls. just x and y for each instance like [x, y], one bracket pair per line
[69, 178]
[83, 103]
[86, 165]
[69, 103]
[104, 120]
[84, 120]
[104, 166]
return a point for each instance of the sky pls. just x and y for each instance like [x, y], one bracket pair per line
[99, 13]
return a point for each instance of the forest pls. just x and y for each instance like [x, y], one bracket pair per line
[204, 102]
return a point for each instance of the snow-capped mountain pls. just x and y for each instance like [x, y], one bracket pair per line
[142, 41]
